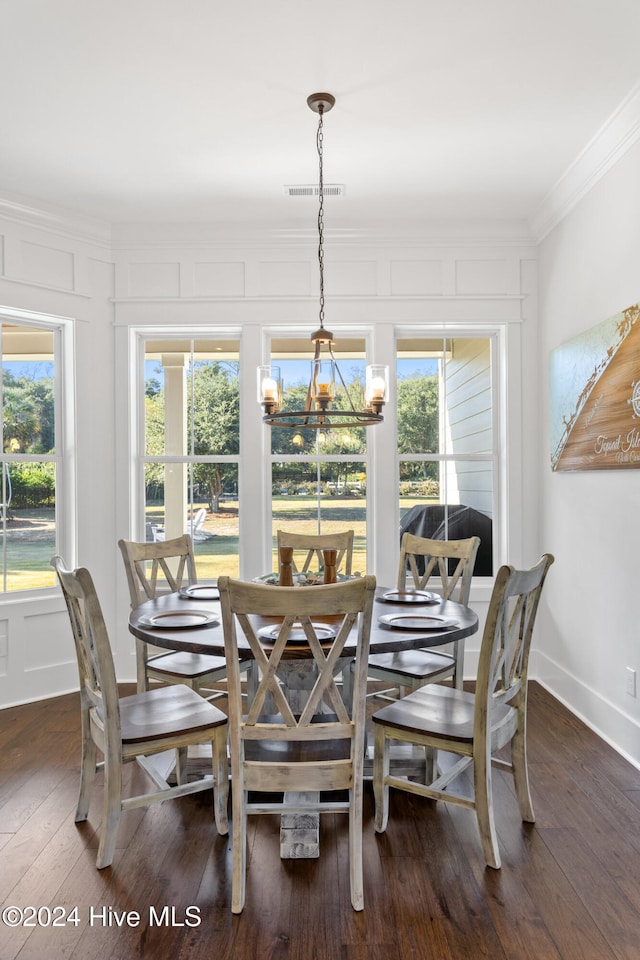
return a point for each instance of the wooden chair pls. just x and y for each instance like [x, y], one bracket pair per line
[472, 726]
[314, 544]
[322, 747]
[452, 561]
[164, 567]
[135, 727]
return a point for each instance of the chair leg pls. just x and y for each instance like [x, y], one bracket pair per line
[221, 781]
[239, 844]
[112, 810]
[141, 666]
[253, 680]
[520, 768]
[430, 764]
[380, 773]
[355, 847]
[181, 765]
[87, 770]
[484, 809]
[458, 675]
[347, 684]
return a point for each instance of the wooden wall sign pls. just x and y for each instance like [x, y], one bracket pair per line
[595, 397]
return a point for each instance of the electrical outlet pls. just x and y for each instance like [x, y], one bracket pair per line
[631, 681]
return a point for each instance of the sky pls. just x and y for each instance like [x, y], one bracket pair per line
[33, 369]
[298, 371]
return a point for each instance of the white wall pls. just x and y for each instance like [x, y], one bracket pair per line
[590, 631]
[56, 265]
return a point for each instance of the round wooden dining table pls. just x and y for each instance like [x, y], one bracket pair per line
[176, 621]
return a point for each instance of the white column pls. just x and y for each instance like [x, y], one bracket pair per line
[383, 540]
[175, 439]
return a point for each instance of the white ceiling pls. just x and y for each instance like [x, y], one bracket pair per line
[195, 110]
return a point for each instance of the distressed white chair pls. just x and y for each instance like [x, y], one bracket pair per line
[452, 562]
[308, 547]
[163, 567]
[471, 726]
[135, 727]
[320, 748]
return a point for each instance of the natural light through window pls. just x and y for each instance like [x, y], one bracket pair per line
[445, 440]
[191, 448]
[28, 502]
[319, 477]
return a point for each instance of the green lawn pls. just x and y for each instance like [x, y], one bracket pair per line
[219, 555]
[30, 542]
[30, 536]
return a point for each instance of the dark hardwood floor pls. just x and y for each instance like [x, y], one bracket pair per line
[569, 888]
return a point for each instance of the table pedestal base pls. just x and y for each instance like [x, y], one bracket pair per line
[299, 832]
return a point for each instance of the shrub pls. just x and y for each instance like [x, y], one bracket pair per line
[33, 485]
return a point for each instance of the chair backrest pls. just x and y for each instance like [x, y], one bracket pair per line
[308, 610]
[157, 567]
[98, 687]
[506, 641]
[312, 546]
[197, 521]
[451, 560]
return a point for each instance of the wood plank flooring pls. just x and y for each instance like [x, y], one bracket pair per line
[569, 888]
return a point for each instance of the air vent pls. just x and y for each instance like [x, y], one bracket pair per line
[312, 190]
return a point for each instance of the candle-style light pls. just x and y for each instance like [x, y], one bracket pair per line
[269, 388]
[319, 412]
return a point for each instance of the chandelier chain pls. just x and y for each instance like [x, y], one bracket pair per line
[319, 412]
[319, 144]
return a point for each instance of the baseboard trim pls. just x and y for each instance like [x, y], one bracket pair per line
[608, 720]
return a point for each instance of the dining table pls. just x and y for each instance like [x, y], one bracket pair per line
[190, 620]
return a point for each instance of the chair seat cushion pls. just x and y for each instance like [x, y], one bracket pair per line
[187, 665]
[166, 712]
[413, 664]
[440, 712]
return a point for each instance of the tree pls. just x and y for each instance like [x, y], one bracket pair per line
[216, 424]
[152, 387]
[213, 417]
[291, 440]
[28, 413]
[286, 440]
[154, 436]
[418, 418]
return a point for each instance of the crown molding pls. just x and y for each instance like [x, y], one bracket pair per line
[230, 236]
[62, 223]
[614, 138]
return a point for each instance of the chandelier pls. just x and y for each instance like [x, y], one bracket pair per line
[319, 411]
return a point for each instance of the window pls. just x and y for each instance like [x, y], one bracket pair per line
[190, 447]
[318, 477]
[432, 467]
[31, 467]
[446, 442]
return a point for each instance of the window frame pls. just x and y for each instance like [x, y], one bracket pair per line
[382, 457]
[443, 457]
[139, 457]
[64, 456]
